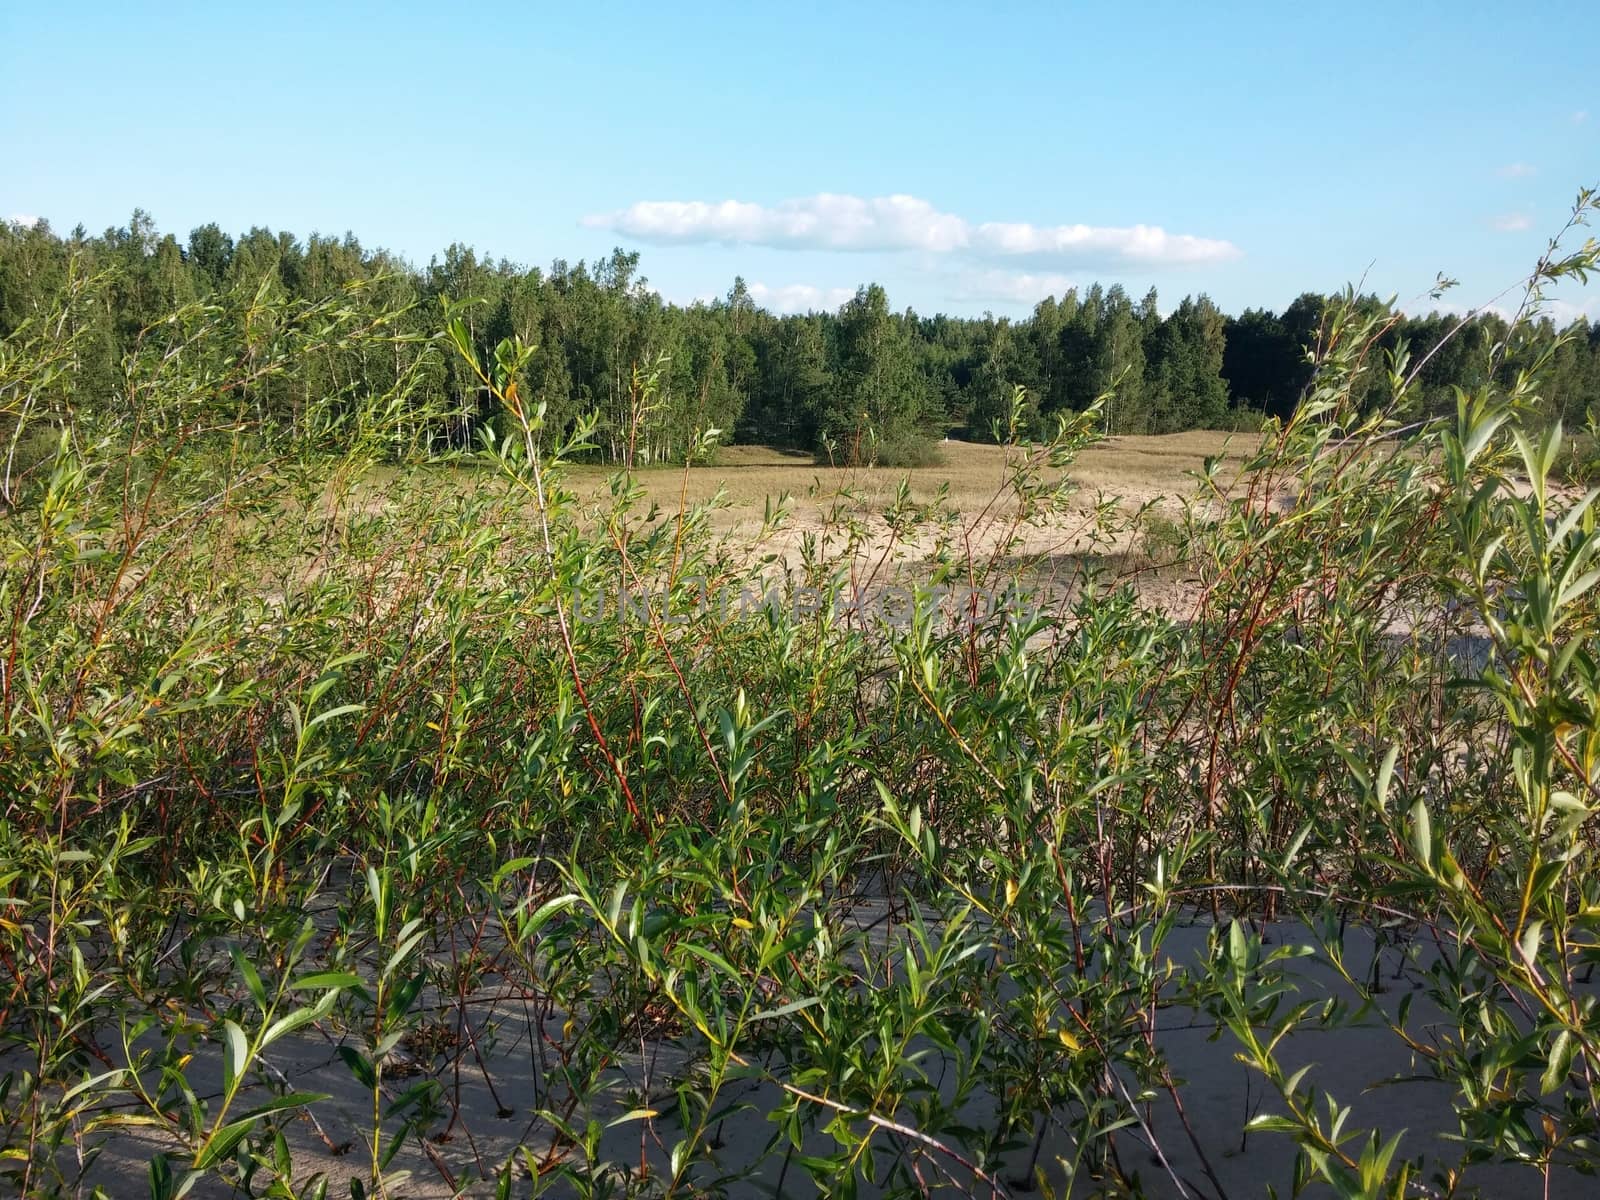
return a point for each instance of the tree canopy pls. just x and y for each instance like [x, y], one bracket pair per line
[865, 383]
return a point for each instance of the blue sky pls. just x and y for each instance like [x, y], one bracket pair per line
[967, 157]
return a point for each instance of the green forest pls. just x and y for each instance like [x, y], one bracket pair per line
[865, 383]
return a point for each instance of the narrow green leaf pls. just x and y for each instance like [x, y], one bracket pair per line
[1422, 833]
[235, 1053]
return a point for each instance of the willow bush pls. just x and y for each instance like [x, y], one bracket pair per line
[301, 750]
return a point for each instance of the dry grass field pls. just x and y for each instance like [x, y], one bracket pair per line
[1126, 488]
[1135, 470]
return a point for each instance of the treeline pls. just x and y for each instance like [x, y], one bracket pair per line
[865, 382]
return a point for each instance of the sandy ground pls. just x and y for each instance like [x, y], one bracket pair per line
[1363, 1066]
[1122, 484]
[1134, 467]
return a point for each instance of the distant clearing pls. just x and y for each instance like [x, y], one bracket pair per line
[1135, 469]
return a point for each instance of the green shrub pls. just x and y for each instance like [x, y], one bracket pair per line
[1163, 540]
[297, 756]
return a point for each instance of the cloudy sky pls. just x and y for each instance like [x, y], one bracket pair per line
[968, 157]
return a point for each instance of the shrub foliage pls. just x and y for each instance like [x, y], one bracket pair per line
[297, 751]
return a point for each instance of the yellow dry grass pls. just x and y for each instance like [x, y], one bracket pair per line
[1135, 470]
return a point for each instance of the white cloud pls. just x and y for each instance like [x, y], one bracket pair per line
[826, 221]
[1136, 243]
[1425, 306]
[1565, 312]
[1011, 287]
[800, 297]
[899, 223]
[1516, 170]
[1580, 116]
[1560, 312]
[23, 219]
[1512, 222]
